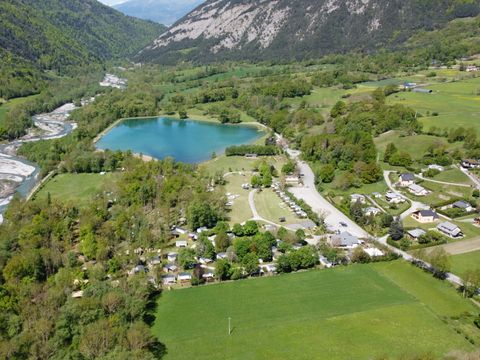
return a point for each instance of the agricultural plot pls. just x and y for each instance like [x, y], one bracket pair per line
[360, 312]
[77, 188]
[463, 262]
[457, 104]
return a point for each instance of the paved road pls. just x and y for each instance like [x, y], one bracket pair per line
[320, 205]
[474, 179]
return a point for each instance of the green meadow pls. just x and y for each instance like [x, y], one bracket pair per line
[457, 104]
[77, 188]
[356, 312]
[464, 262]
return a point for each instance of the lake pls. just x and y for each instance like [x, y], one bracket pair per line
[187, 141]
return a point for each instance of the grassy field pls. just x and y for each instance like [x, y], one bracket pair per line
[416, 145]
[453, 175]
[355, 312]
[6, 106]
[240, 211]
[463, 262]
[271, 207]
[457, 103]
[77, 188]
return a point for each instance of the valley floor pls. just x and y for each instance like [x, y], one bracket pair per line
[356, 312]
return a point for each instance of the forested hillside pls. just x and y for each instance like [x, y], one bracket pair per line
[271, 30]
[55, 33]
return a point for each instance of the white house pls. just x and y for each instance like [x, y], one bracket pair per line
[425, 216]
[450, 229]
[406, 179]
[325, 262]
[418, 190]
[184, 277]
[170, 268]
[467, 207]
[169, 279]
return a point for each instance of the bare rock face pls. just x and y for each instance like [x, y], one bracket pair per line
[294, 29]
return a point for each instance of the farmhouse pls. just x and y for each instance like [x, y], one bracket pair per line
[344, 240]
[450, 229]
[406, 179]
[425, 216]
[418, 190]
[415, 234]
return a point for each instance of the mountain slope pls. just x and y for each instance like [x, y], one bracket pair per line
[54, 34]
[264, 29]
[161, 11]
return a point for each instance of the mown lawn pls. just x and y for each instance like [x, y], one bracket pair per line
[77, 188]
[355, 312]
[271, 207]
[463, 262]
[453, 175]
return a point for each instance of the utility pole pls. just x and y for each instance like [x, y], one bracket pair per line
[229, 327]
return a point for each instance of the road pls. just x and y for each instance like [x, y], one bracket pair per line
[474, 179]
[332, 216]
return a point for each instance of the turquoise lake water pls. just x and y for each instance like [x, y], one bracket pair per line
[185, 140]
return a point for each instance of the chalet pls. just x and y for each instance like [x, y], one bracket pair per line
[184, 277]
[470, 164]
[178, 231]
[169, 279]
[344, 240]
[357, 197]
[463, 205]
[394, 198]
[406, 179]
[372, 211]
[181, 244]
[154, 261]
[418, 190]
[172, 257]
[425, 216]
[450, 229]
[415, 234]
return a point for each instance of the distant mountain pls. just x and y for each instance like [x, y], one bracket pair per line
[55, 34]
[286, 29]
[161, 11]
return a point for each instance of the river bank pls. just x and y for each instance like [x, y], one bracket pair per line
[18, 175]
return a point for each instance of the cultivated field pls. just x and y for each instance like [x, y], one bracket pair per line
[78, 188]
[355, 312]
[463, 262]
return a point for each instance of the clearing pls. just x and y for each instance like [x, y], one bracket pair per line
[359, 311]
[78, 188]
